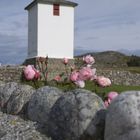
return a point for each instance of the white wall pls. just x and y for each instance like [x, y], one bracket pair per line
[55, 33]
[32, 32]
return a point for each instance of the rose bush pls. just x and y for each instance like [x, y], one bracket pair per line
[110, 97]
[80, 83]
[103, 81]
[89, 59]
[74, 76]
[31, 73]
[42, 66]
[57, 78]
[87, 72]
[77, 76]
[65, 61]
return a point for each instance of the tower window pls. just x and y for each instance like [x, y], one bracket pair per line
[56, 9]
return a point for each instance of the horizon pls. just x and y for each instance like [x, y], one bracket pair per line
[123, 51]
[83, 52]
[107, 25]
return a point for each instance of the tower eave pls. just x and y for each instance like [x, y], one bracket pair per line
[61, 2]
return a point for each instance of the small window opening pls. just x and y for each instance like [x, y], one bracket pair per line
[56, 9]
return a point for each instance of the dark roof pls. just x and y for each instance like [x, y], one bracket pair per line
[62, 2]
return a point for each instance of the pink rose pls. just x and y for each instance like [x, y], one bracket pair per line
[29, 72]
[86, 73]
[93, 78]
[103, 81]
[80, 83]
[111, 96]
[106, 103]
[74, 76]
[65, 61]
[89, 59]
[37, 74]
[57, 78]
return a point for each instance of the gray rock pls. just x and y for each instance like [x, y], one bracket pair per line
[15, 128]
[72, 114]
[41, 102]
[19, 99]
[123, 117]
[6, 90]
[1, 83]
[95, 130]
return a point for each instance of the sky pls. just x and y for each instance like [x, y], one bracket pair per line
[99, 25]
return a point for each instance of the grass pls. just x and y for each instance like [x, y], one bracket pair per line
[134, 69]
[102, 92]
[130, 69]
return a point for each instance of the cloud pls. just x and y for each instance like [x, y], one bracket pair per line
[13, 32]
[13, 39]
[107, 25]
[99, 25]
[12, 49]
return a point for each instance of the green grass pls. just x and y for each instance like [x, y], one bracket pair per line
[130, 69]
[134, 69]
[102, 92]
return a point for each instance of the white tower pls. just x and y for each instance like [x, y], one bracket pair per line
[51, 28]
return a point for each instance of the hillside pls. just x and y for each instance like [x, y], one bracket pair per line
[113, 59]
[110, 59]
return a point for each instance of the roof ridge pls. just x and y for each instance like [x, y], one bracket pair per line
[62, 2]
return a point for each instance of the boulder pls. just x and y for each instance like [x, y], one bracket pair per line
[18, 100]
[123, 117]
[41, 102]
[6, 90]
[1, 83]
[73, 113]
[95, 130]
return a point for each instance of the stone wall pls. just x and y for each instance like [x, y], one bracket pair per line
[14, 73]
[11, 73]
[54, 66]
[121, 77]
[32, 114]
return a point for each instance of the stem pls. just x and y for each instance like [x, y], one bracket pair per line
[39, 65]
[95, 89]
[66, 72]
[43, 69]
[36, 86]
[44, 72]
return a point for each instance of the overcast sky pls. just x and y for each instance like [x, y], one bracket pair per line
[99, 25]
